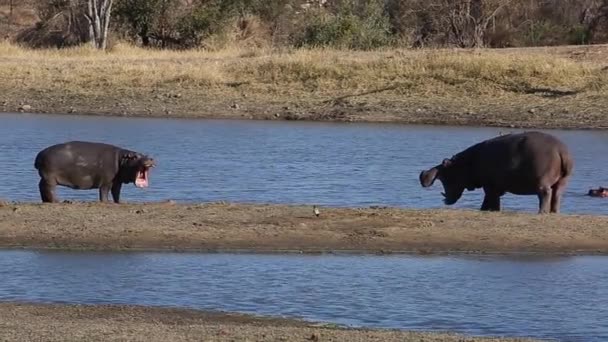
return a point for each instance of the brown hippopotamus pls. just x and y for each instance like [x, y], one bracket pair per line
[600, 192]
[90, 165]
[528, 163]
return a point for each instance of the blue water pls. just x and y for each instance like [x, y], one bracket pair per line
[281, 162]
[562, 298]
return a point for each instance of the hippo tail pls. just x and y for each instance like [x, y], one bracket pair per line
[567, 164]
[38, 161]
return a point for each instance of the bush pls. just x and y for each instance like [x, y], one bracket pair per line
[355, 26]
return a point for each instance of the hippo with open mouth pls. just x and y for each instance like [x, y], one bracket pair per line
[90, 165]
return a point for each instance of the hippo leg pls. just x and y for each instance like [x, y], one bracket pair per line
[47, 191]
[545, 194]
[558, 191]
[116, 191]
[491, 201]
[104, 191]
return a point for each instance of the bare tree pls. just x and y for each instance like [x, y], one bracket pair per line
[469, 19]
[98, 14]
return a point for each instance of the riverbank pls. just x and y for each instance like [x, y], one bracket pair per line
[553, 87]
[217, 227]
[56, 322]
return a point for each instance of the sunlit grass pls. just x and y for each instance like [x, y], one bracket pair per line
[310, 71]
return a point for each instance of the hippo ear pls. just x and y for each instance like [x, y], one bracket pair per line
[446, 162]
[427, 178]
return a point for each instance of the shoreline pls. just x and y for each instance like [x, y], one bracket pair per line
[293, 229]
[225, 117]
[26, 321]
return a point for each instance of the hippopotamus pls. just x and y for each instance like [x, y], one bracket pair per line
[90, 165]
[527, 163]
[599, 192]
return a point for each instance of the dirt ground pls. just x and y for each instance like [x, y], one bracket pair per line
[281, 228]
[27, 322]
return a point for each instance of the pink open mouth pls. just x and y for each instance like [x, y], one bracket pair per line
[141, 180]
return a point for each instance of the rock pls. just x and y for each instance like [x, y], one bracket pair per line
[177, 96]
[277, 115]
[71, 110]
[25, 107]
[532, 111]
[235, 106]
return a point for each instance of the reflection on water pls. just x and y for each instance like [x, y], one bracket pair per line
[563, 298]
[282, 162]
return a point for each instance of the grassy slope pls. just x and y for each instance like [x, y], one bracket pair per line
[553, 87]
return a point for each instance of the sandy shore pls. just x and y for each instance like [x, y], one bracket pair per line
[29, 322]
[280, 228]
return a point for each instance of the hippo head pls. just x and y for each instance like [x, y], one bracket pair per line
[454, 175]
[135, 167]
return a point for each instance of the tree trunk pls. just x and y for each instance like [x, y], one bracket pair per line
[98, 14]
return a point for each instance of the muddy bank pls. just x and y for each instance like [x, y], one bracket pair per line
[279, 228]
[29, 322]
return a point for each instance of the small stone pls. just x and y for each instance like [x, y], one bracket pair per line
[168, 112]
[277, 115]
[177, 96]
[419, 110]
[532, 111]
[140, 211]
[71, 110]
[25, 107]
[235, 106]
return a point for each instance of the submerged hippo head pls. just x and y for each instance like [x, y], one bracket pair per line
[135, 167]
[454, 176]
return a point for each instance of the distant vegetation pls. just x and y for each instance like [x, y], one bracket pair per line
[351, 24]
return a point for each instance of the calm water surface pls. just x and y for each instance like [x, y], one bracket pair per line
[281, 162]
[561, 298]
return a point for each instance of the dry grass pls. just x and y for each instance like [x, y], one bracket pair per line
[321, 71]
[434, 85]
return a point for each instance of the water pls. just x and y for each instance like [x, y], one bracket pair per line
[565, 298]
[282, 162]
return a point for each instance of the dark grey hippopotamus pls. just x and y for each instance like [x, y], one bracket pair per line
[90, 165]
[529, 163]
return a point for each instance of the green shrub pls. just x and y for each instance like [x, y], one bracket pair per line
[356, 25]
